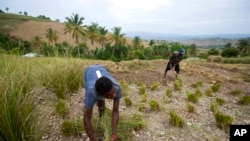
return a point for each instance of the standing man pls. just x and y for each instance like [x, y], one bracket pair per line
[100, 84]
[174, 60]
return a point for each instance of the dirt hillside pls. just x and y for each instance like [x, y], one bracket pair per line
[200, 125]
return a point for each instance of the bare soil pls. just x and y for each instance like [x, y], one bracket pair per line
[201, 125]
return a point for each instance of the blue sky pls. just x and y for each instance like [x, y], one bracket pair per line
[189, 17]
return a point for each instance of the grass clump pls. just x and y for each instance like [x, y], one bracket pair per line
[223, 121]
[209, 92]
[128, 101]
[72, 127]
[142, 107]
[125, 88]
[192, 97]
[190, 108]
[155, 86]
[61, 107]
[169, 92]
[176, 120]
[142, 89]
[236, 92]
[197, 84]
[244, 100]
[214, 107]
[178, 84]
[144, 97]
[154, 105]
[220, 101]
[216, 87]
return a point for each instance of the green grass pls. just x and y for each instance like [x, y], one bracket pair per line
[176, 120]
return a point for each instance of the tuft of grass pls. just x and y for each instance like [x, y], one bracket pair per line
[214, 107]
[178, 83]
[155, 86]
[144, 97]
[72, 127]
[197, 84]
[223, 121]
[154, 105]
[61, 107]
[198, 93]
[125, 88]
[142, 89]
[190, 107]
[209, 92]
[244, 100]
[216, 87]
[192, 97]
[236, 92]
[176, 120]
[169, 92]
[220, 101]
[128, 101]
[142, 107]
[138, 64]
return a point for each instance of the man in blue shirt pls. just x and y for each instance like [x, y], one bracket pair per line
[100, 84]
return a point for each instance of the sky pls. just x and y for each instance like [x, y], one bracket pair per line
[185, 17]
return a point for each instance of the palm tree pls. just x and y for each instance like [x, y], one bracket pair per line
[74, 26]
[93, 32]
[102, 38]
[51, 35]
[136, 42]
[117, 37]
[36, 43]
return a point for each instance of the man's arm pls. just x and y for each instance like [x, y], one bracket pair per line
[87, 123]
[115, 117]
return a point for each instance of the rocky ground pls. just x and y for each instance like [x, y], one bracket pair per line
[200, 125]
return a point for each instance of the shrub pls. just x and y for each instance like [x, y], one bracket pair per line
[176, 120]
[230, 52]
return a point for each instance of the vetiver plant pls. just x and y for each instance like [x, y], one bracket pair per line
[178, 84]
[220, 101]
[169, 92]
[61, 107]
[155, 85]
[223, 121]
[142, 89]
[72, 127]
[190, 107]
[125, 88]
[192, 97]
[142, 107]
[154, 105]
[216, 87]
[128, 101]
[236, 92]
[19, 117]
[197, 84]
[144, 97]
[209, 92]
[176, 120]
[244, 100]
[214, 107]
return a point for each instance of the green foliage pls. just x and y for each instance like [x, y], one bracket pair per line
[216, 87]
[244, 100]
[176, 120]
[236, 92]
[197, 84]
[220, 101]
[155, 85]
[213, 51]
[169, 92]
[190, 108]
[230, 52]
[128, 101]
[223, 121]
[142, 89]
[192, 97]
[178, 83]
[154, 105]
[72, 127]
[61, 107]
[214, 107]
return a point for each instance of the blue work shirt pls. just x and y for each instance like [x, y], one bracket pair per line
[91, 74]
